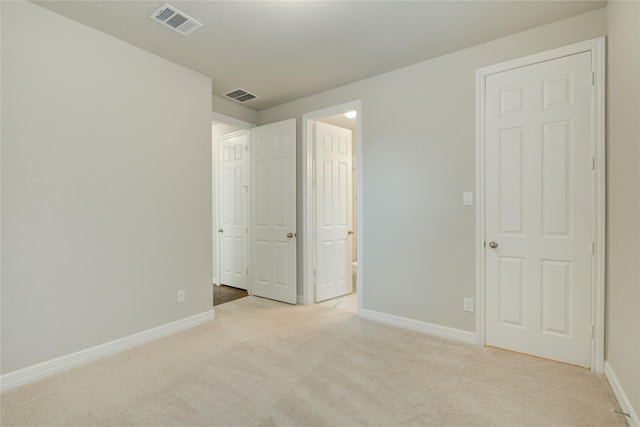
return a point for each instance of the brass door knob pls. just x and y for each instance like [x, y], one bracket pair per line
[493, 244]
[350, 232]
[290, 235]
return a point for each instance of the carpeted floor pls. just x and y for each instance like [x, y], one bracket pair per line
[262, 363]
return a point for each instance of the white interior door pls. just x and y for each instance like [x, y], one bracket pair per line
[233, 224]
[334, 205]
[273, 211]
[538, 177]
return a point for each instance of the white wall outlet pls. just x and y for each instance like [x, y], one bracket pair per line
[467, 198]
[468, 305]
[180, 296]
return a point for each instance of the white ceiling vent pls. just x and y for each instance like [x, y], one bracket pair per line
[173, 18]
[240, 95]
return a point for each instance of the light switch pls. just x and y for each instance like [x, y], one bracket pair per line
[467, 198]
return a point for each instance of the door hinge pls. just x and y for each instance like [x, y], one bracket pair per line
[314, 273]
[591, 333]
[593, 248]
[246, 147]
[247, 271]
[593, 78]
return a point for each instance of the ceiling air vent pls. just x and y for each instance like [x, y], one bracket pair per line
[173, 18]
[240, 95]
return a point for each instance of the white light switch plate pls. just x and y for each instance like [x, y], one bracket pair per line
[467, 198]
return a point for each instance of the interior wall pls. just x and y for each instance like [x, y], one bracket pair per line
[106, 178]
[233, 109]
[418, 133]
[623, 198]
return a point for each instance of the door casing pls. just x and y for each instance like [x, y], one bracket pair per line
[597, 48]
[307, 296]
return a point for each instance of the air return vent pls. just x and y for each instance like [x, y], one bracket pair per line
[173, 18]
[240, 95]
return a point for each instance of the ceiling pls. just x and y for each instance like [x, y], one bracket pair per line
[285, 50]
[341, 121]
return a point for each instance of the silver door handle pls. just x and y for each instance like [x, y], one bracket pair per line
[493, 244]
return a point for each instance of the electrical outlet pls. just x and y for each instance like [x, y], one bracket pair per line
[180, 296]
[468, 305]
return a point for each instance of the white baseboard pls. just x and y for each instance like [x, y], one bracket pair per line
[41, 370]
[417, 325]
[621, 396]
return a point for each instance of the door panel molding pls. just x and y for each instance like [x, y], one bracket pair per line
[334, 214]
[233, 200]
[273, 211]
[597, 49]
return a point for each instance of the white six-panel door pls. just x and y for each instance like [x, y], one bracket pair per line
[333, 183]
[538, 200]
[273, 211]
[233, 223]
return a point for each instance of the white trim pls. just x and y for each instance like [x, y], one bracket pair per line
[597, 48]
[307, 296]
[623, 400]
[417, 325]
[42, 370]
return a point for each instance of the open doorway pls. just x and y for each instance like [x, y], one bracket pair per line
[333, 254]
[229, 203]
[254, 213]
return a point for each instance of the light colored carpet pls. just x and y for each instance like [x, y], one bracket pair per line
[262, 363]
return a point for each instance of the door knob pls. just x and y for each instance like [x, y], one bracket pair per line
[220, 231]
[290, 235]
[493, 244]
[349, 232]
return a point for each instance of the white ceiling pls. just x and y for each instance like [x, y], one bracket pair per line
[284, 50]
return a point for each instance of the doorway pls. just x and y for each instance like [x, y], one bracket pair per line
[254, 209]
[331, 199]
[541, 212]
[230, 260]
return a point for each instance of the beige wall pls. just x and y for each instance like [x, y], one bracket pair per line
[623, 198]
[233, 109]
[106, 183]
[418, 132]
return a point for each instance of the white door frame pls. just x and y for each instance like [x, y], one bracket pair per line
[597, 48]
[307, 296]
